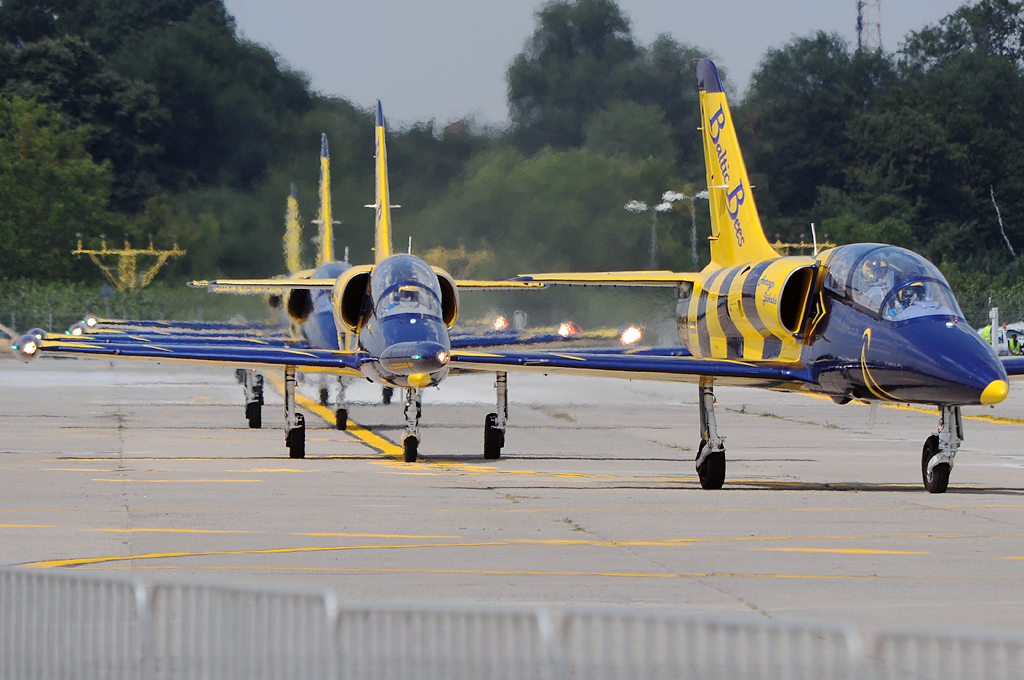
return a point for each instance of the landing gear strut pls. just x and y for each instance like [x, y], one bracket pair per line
[340, 407]
[939, 450]
[413, 409]
[294, 422]
[494, 424]
[711, 452]
[252, 383]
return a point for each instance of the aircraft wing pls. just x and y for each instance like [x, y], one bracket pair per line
[668, 364]
[260, 286]
[229, 350]
[1014, 367]
[625, 278]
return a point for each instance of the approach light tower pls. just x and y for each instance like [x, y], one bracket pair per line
[869, 25]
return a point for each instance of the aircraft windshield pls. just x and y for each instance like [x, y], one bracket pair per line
[891, 282]
[405, 284]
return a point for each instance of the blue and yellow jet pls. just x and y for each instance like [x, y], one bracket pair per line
[388, 322]
[866, 322]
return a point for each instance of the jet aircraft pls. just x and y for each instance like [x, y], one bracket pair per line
[866, 322]
[387, 322]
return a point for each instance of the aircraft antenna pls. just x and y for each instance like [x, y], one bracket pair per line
[410, 245]
[814, 239]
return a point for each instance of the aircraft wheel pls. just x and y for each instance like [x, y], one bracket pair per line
[296, 438]
[341, 418]
[711, 472]
[494, 439]
[254, 414]
[938, 480]
[386, 394]
[411, 445]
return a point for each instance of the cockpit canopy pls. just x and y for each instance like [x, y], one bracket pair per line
[889, 282]
[404, 284]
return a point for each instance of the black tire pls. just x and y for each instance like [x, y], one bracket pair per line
[411, 446]
[711, 472]
[386, 394]
[254, 414]
[939, 479]
[296, 438]
[494, 439]
[341, 418]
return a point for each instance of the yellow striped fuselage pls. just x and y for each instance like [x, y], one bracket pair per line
[753, 311]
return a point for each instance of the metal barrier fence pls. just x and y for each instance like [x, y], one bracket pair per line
[57, 625]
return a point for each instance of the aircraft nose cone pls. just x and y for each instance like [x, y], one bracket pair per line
[995, 392]
[943, 363]
[410, 358]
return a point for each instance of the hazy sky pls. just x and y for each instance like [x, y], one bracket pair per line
[446, 59]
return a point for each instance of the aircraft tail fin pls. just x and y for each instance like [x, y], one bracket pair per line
[292, 234]
[382, 206]
[736, 232]
[325, 251]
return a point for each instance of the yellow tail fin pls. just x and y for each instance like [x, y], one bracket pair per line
[292, 235]
[736, 232]
[382, 207]
[325, 253]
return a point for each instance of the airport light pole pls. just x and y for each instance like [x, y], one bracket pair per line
[641, 207]
[673, 196]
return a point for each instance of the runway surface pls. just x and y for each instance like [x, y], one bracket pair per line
[151, 469]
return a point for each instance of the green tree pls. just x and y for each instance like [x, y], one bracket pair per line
[229, 100]
[632, 130]
[581, 57]
[104, 24]
[554, 210]
[124, 115]
[50, 189]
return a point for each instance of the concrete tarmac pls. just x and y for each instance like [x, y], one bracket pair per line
[151, 469]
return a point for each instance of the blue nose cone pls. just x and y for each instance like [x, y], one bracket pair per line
[933, 362]
[408, 358]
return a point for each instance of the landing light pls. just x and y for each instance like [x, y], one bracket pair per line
[442, 357]
[631, 336]
[567, 328]
[500, 324]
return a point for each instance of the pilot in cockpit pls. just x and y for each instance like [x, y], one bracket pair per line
[878, 281]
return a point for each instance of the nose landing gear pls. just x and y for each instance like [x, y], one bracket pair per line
[939, 450]
[413, 410]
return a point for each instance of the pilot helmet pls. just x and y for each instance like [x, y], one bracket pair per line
[876, 270]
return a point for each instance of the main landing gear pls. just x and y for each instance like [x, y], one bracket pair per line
[494, 424]
[294, 422]
[413, 410]
[939, 450]
[252, 384]
[340, 409]
[711, 452]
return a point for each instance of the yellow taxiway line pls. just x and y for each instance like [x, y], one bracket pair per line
[372, 440]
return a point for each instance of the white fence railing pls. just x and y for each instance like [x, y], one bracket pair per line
[56, 625]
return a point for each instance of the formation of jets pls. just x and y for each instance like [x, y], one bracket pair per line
[865, 322]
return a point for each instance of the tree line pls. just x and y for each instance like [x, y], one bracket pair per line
[138, 119]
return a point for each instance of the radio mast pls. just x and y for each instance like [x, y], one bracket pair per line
[869, 25]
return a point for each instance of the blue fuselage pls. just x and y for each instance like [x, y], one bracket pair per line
[402, 330]
[935, 359]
